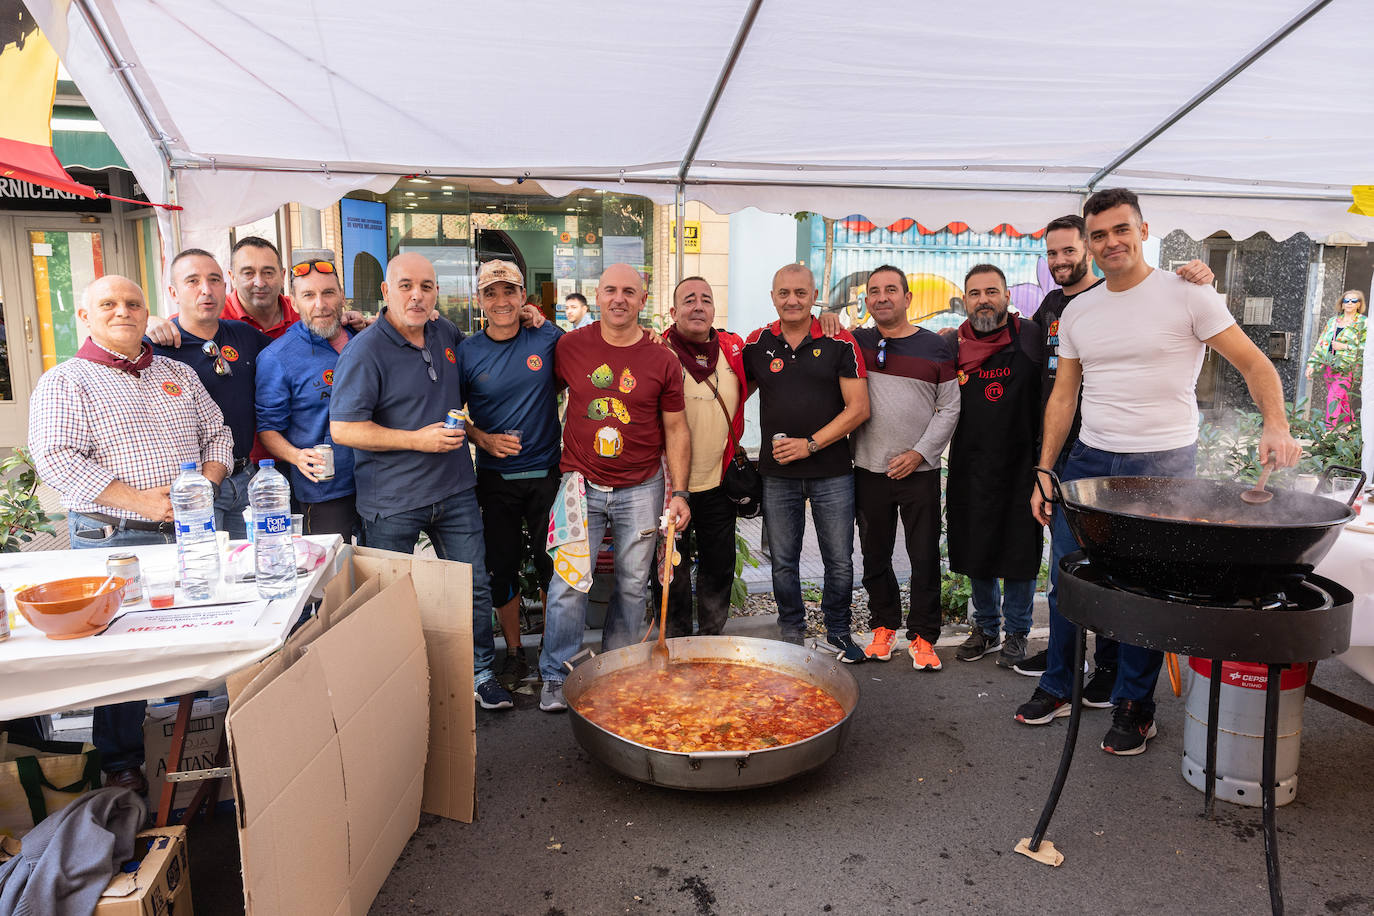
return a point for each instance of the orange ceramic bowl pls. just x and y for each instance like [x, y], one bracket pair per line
[71, 608]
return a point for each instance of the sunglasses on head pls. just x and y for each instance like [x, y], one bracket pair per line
[304, 267]
[211, 349]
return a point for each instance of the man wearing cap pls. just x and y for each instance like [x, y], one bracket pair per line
[394, 384]
[108, 431]
[506, 373]
[295, 381]
[224, 353]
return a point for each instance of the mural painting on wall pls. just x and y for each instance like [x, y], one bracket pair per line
[934, 261]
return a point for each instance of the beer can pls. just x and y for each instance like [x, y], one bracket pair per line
[455, 419]
[777, 436]
[327, 454]
[4, 617]
[126, 565]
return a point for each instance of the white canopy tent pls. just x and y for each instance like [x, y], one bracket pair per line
[1235, 115]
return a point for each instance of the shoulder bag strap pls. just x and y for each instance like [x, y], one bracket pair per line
[729, 422]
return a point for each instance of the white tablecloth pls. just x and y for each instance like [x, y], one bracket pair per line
[1351, 563]
[144, 653]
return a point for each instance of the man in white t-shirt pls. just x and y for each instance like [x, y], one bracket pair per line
[1135, 345]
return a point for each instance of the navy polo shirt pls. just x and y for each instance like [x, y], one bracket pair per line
[239, 343]
[384, 378]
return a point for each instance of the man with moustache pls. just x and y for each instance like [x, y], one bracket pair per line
[625, 416]
[991, 536]
[714, 389]
[393, 386]
[224, 353]
[813, 393]
[295, 381]
[508, 382]
[108, 430]
[1135, 344]
[914, 406]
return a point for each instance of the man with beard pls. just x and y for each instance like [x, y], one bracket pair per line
[991, 535]
[1135, 344]
[714, 390]
[914, 406]
[295, 381]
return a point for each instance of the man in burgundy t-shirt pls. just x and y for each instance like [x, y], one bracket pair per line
[625, 414]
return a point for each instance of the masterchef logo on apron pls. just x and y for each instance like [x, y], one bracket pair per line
[994, 391]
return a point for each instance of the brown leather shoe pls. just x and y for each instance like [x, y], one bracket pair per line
[131, 778]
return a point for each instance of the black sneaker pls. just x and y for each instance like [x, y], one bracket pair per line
[978, 644]
[850, 652]
[1013, 650]
[1131, 729]
[491, 695]
[794, 638]
[513, 670]
[1034, 666]
[1097, 691]
[1042, 708]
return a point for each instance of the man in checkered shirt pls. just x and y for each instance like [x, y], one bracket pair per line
[109, 430]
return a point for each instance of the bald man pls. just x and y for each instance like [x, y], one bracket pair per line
[108, 431]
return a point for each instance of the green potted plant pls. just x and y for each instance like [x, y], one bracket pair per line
[21, 514]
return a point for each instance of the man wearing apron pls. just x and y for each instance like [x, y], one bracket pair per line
[992, 535]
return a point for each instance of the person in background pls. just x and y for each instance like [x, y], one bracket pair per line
[575, 307]
[914, 406]
[1339, 354]
[108, 430]
[225, 354]
[714, 389]
[295, 381]
[506, 374]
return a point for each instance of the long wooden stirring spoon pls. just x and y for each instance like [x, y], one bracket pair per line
[658, 656]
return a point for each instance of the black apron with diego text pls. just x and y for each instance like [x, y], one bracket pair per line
[992, 534]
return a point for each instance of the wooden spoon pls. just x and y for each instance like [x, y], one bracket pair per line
[1258, 495]
[658, 656]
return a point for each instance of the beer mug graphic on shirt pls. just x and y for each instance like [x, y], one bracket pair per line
[608, 442]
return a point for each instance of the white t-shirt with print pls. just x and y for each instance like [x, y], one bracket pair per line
[1141, 351]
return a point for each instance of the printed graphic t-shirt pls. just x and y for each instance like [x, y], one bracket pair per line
[613, 433]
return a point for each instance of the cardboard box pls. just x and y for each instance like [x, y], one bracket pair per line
[329, 736]
[203, 733]
[161, 884]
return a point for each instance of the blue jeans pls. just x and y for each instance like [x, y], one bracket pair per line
[1015, 597]
[230, 503]
[454, 526]
[632, 514]
[832, 514]
[117, 729]
[1137, 669]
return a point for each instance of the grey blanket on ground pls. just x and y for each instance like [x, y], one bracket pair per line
[69, 858]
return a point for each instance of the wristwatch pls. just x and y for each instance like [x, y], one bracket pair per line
[680, 493]
[812, 445]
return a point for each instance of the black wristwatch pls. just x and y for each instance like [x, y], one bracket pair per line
[812, 445]
[680, 493]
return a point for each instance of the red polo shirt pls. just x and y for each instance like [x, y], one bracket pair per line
[289, 315]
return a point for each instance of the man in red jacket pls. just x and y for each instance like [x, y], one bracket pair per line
[715, 390]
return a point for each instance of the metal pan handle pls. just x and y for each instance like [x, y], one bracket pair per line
[696, 758]
[1058, 496]
[569, 664]
[1359, 488]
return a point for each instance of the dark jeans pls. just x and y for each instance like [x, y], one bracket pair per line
[713, 523]
[832, 513]
[878, 501]
[117, 729]
[332, 516]
[508, 507]
[231, 501]
[1137, 670]
[454, 526]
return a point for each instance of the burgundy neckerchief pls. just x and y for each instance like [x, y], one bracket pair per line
[97, 354]
[699, 359]
[974, 350]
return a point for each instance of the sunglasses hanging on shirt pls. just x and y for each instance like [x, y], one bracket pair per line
[429, 365]
[882, 353]
[222, 367]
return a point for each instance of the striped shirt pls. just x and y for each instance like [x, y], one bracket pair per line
[913, 398]
[90, 425]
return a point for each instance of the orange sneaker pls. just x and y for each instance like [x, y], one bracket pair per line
[923, 655]
[884, 640]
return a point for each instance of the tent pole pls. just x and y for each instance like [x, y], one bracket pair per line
[741, 36]
[121, 68]
[680, 231]
[176, 214]
[1208, 91]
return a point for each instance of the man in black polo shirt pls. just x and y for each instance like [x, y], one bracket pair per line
[812, 394]
[393, 386]
[224, 354]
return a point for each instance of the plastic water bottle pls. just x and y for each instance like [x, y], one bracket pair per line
[193, 507]
[274, 556]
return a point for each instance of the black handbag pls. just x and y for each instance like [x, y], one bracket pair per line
[743, 483]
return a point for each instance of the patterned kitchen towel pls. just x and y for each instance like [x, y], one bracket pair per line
[567, 542]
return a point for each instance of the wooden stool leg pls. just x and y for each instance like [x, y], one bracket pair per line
[164, 805]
